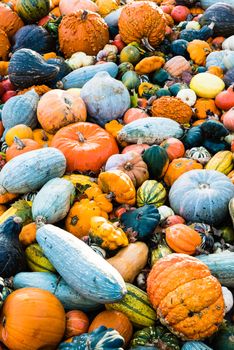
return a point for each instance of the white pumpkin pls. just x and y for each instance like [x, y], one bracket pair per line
[165, 212]
[228, 43]
[188, 96]
[228, 299]
[80, 59]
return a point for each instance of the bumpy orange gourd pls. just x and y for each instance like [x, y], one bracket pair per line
[205, 107]
[42, 137]
[149, 64]
[107, 6]
[116, 320]
[27, 235]
[39, 89]
[173, 108]
[187, 299]
[82, 31]
[183, 239]
[4, 46]
[32, 319]
[10, 22]
[178, 167]
[77, 323]
[216, 71]
[58, 108]
[142, 21]
[198, 50]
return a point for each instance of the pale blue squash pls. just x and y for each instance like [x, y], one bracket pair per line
[70, 299]
[83, 269]
[21, 109]
[195, 345]
[215, 59]
[202, 196]
[28, 172]
[105, 97]
[53, 201]
[228, 59]
[207, 3]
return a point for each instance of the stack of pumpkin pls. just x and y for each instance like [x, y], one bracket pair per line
[116, 181]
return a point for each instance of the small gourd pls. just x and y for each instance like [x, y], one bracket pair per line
[228, 299]
[200, 154]
[80, 59]
[188, 96]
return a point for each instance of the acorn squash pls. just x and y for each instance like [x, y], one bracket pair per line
[157, 161]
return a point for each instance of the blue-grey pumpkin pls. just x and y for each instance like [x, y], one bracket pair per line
[106, 98]
[195, 345]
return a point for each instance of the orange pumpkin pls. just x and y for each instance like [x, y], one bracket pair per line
[133, 26]
[7, 197]
[198, 51]
[116, 320]
[10, 22]
[27, 235]
[42, 137]
[67, 7]
[19, 147]
[56, 12]
[217, 42]
[178, 167]
[216, 71]
[187, 299]
[86, 146]
[4, 68]
[134, 114]
[58, 108]
[82, 31]
[174, 148]
[205, 107]
[183, 239]
[32, 319]
[76, 323]
[21, 131]
[4, 46]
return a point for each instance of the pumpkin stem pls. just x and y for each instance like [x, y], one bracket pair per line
[211, 25]
[44, 136]
[128, 166]
[74, 220]
[84, 15]
[2, 190]
[19, 143]
[59, 85]
[40, 221]
[80, 137]
[146, 43]
[8, 282]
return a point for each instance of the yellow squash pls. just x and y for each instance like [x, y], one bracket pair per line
[36, 259]
[221, 161]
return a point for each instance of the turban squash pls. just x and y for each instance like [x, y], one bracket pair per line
[188, 299]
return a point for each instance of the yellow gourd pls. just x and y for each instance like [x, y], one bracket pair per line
[207, 85]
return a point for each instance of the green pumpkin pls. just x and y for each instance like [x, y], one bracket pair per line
[160, 76]
[130, 54]
[157, 161]
[193, 138]
[163, 92]
[32, 11]
[151, 192]
[131, 80]
[215, 146]
[224, 338]
[123, 68]
[175, 88]
[158, 336]
[213, 130]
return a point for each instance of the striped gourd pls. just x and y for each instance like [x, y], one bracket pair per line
[151, 192]
[32, 10]
[36, 259]
[136, 306]
[221, 161]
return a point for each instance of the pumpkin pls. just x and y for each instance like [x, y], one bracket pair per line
[151, 192]
[225, 99]
[216, 71]
[4, 45]
[120, 184]
[157, 161]
[4, 68]
[205, 107]
[200, 154]
[188, 96]
[32, 11]
[130, 163]
[173, 147]
[42, 137]
[135, 148]
[58, 108]
[130, 260]
[76, 323]
[228, 119]
[82, 31]
[10, 22]
[66, 8]
[133, 114]
[206, 85]
[149, 64]
[135, 27]
[182, 239]
[36, 311]
[198, 50]
[130, 55]
[172, 108]
[177, 65]
[178, 167]
[21, 131]
[36, 260]
[19, 147]
[179, 282]
[107, 6]
[101, 199]
[27, 235]
[116, 320]
[221, 161]
[86, 146]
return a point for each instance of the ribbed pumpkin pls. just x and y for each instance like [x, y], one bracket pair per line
[32, 319]
[77, 323]
[32, 10]
[86, 146]
[178, 167]
[151, 192]
[58, 108]
[4, 46]
[172, 108]
[10, 22]
[187, 298]
[134, 23]
[20, 146]
[177, 65]
[82, 31]
[198, 50]
[157, 161]
[221, 161]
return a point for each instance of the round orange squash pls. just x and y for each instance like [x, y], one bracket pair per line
[86, 146]
[20, 146]
[84, 31]
[178, 167]
[76, 323]
[58, 108]
[116, 320]
[187, 299]
[32, 319]
[10, 22]
[134, 114]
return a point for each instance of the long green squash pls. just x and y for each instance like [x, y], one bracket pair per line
[83, 269]
[221, 266]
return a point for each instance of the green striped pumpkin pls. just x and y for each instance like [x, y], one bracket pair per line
[32, 11]
[151, 192]
[157, 161]
[136, 306]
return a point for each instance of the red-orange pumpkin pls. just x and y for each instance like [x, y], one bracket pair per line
[4, 46]
[174, 148]
[20, 147]
[77, 323]
[136, 148]
[86, 146]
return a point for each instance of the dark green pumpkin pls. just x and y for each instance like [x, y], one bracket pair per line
[157, 161]
[32, 11]
[131, 80]
[143, 221]
[156, 336]
[123, 68]
[179, 47]
[175, 88]
[214, 146]
[192, 34]
[213, 130]
[224, 338]
[27, 68]
[159, 77]
[163, 92]
[64, 70]
[193, 137]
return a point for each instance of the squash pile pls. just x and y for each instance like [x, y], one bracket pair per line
[116, 175]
